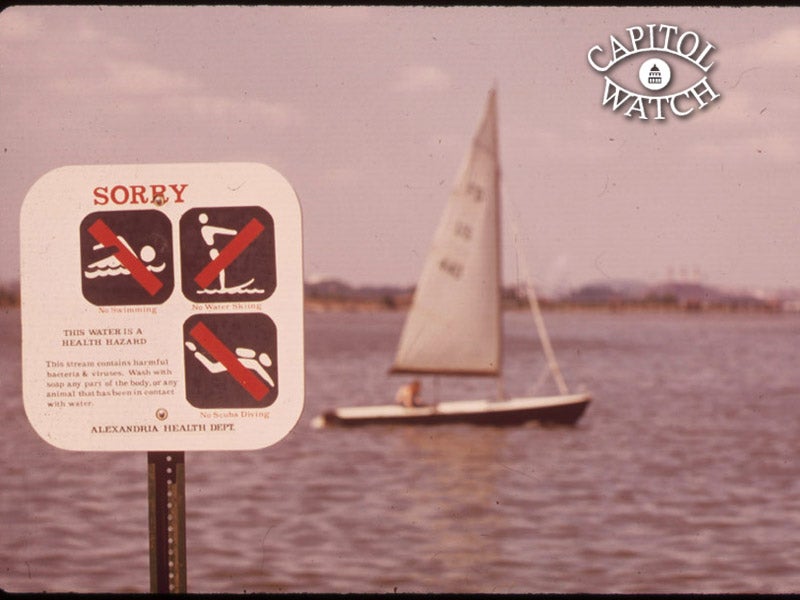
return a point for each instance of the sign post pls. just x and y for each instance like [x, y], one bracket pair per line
[167, 517]
[162, 311]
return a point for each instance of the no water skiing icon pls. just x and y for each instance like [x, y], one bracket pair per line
[126, 257]
[231, 360]
[227, 254]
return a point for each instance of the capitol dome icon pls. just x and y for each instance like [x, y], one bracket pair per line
[654, 74]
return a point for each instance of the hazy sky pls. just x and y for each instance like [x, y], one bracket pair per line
[367, 111]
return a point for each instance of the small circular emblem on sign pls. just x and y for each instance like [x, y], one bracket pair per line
[162, 414]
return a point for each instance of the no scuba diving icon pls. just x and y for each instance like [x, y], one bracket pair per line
[230, 360]
[126, 257]
[228, 254]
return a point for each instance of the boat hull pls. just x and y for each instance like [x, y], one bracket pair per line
[553, 410]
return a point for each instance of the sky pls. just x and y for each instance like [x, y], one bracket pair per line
[368, 110]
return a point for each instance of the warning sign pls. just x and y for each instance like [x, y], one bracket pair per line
[227, 254]
[126, 257]
[162, 307]
[231, 360]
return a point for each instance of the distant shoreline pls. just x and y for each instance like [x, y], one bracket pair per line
[607, 296]
[337, 296]
[351, 305]
[317, 305]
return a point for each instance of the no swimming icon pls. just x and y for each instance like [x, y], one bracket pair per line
[126, 257]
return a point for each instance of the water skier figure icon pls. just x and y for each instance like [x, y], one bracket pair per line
[246, 356]
[209, 233]
[110, 266]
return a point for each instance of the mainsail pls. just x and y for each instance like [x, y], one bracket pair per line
[454, 325]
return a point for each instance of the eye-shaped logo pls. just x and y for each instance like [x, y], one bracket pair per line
[650, 47]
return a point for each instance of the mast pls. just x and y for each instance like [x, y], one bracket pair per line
[501, 392]
[538, 319]
[545, 339]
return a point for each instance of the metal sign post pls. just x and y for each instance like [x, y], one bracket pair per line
[167, 507]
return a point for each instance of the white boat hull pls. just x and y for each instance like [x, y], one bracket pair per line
[555, 410]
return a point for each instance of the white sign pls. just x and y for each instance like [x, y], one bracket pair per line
[162, 307]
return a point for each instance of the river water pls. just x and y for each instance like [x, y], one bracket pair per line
[682, 476]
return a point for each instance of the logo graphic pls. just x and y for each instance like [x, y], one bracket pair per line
[228, 254]
[655, 74]
[231, 360]
[126, 257]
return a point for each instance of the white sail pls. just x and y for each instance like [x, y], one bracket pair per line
[454, 324]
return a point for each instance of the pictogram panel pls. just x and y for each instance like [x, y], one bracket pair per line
[126, 257]
[227, 254]
[231, 360]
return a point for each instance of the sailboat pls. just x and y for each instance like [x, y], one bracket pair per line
[455, 322]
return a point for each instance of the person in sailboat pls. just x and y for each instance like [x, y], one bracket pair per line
[408, 394]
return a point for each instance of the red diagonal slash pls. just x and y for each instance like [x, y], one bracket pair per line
[103, 234]
[229, 253]
[246, 378]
